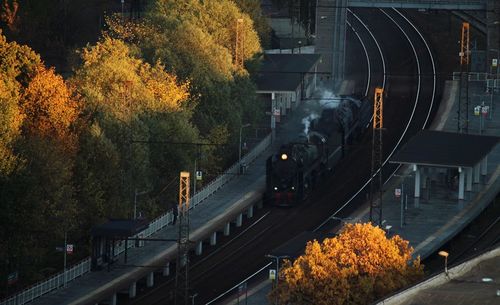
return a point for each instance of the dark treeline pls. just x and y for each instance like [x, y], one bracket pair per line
[75, 149]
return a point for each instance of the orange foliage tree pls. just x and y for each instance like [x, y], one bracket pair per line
[49, 107]
[357, 267]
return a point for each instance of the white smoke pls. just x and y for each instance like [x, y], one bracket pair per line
[329, 100]
[307, 121]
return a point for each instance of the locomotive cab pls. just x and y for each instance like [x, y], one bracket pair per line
[283, 187]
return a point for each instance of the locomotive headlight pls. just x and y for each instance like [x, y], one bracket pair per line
[284, 156]
[275, 188]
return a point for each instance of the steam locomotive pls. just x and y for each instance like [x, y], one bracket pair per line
[293, 171]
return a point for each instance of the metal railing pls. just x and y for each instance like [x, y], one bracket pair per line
[57, 281]
[473, 76]
[230, 173]
[53, 283]
[424, 4]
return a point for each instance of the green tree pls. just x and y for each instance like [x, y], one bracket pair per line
[261, 25]
[11, 120]
[123, 97]
[358, 266]
[36, 183]
[196, 41]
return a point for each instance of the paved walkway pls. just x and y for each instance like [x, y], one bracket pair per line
[433, 219]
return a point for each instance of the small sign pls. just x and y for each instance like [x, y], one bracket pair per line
[199, 175]
[69, 248]
[477, 110]
[494, 62]
[272, 274]
[276, 111]
[397, 192]
[12, 278]
[485, 110]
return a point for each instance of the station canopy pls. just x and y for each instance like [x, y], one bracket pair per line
[284, 72]
[445, 149]
[119, 228]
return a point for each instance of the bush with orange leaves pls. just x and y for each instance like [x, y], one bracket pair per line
[358, 266]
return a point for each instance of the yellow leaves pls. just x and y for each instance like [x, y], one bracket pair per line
[205, 35]
[11, 120]
[167, 94]
[48, 105]
[118, 83]
[353, 268]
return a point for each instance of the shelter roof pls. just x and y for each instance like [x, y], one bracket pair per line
[119, 228]
[445, 149]
[284, 72]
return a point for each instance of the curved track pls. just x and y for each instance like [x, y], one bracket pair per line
[400, 68]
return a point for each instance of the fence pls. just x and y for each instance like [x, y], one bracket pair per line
[473, 76]
[57, 281]
[53, 283]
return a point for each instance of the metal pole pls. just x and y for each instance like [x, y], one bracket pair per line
[65, 247]
[446, 265]
[123, 9]
[239, 148]
[135, 204]
[491, 102]
[401, 220]
[277, 276]
[239, 152]
[195, 178]
[481, 119]
[273, 119]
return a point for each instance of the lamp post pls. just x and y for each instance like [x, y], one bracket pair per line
[65, 249]
[403, 197]
[123, 9]
[239, 146]
[277, 258]
[135, 201]
[445, 255]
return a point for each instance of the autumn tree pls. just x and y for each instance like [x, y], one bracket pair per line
[126, 99]
[358, 266]
[37, 115]
[196, 41]
[49, 107]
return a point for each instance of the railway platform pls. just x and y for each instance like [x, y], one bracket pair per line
[215, 216]
[433, 219]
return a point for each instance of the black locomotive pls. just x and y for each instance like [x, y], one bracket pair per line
[293, 171]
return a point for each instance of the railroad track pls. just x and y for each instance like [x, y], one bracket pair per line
[235, 259]
[480, 235]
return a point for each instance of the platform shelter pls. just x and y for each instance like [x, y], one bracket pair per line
[108, 236]
[465, 153]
